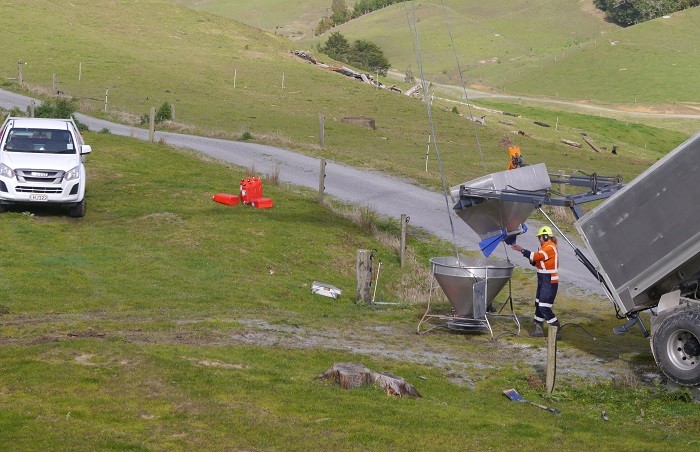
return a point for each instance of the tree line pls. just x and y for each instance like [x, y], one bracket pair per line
[361, 54]
[630, 12]
[621, 12]
[340, 13]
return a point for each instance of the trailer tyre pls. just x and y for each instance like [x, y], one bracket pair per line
[676, 347]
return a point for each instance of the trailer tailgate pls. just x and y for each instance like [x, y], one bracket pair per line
[649, 231]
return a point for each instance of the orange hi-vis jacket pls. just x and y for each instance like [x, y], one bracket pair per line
[546, 259]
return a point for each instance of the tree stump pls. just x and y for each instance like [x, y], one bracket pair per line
[348, 375]
[395, 386]
[351, 375]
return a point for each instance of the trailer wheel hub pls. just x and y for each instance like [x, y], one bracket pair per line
[692, 346]
[683, 350]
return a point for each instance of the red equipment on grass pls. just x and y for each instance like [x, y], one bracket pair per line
[262, 203]
[251, 188]
[226, 199]
[251, 194]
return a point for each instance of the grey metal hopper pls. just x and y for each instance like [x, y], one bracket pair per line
[471, 284]
[489, 217]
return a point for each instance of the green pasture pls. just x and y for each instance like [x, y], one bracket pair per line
[652, 63]
[163, 320]
[552, 48]
[291, 19]
[237, 79]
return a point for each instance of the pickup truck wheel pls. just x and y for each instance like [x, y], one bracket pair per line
[78, 210]
[676, 346]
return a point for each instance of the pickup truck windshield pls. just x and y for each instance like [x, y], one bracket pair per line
[44, 141]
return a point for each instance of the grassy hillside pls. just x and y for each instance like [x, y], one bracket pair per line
[162, 320]
[514, 46]
[144, 53]
[651, 63]
[291, 19]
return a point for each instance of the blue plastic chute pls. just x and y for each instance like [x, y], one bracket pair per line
[489, 245]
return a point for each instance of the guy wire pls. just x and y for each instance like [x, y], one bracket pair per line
[464, 86]
[469, 107]
[426, 97]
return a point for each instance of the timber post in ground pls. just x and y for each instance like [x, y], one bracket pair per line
[152, 125]
[551, 357]
[322, 129]
[322, 181]
[402, 252]
[364, 276]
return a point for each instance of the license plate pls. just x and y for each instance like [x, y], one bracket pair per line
[38, 197]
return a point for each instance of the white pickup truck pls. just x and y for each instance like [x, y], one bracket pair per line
[41, 162]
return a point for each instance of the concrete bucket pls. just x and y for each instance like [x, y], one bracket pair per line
[471, 284]
[489, 217]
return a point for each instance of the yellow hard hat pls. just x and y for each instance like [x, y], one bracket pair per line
[544, 230]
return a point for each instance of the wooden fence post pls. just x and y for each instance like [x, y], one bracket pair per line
[551, 357]
[322, 129]
[364, 276]
[152, 125]
[322, 181]
[404, 220]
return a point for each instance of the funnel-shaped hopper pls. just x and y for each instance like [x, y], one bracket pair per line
[471, 284]
[489, 216]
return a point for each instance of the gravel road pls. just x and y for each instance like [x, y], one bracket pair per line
[385, 194]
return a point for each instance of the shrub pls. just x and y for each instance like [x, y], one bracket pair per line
[59, 107]
[164, 112]
[16, 111]
[337, 47]
[363, 54]
[630, 12]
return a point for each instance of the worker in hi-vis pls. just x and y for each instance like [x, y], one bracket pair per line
[546, 260]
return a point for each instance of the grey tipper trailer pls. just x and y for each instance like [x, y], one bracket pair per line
[645, 240]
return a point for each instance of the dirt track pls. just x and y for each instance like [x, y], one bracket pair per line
[467, 358]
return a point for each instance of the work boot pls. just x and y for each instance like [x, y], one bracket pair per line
[538, 331]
